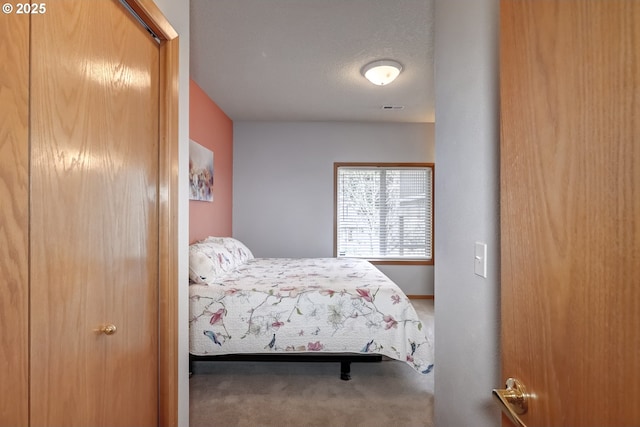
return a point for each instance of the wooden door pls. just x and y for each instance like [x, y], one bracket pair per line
[570, 208]
[14, 219]
[94, 217]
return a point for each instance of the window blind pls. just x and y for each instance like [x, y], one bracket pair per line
[384, 212]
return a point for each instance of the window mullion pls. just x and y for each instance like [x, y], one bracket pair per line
[382, 213]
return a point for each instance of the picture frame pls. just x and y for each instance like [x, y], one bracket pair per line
[200, 172]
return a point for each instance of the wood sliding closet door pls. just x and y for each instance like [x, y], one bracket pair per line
[94, 217]
[88, 260]
[14, 220]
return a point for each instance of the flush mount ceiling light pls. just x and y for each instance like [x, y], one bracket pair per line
[382, 72]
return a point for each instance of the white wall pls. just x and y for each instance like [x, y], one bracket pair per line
[283, 184]
[467, 208]
[177, 12]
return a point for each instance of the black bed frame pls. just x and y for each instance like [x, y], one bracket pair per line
[344, 359]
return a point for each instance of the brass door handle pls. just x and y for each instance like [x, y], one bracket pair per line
[513, 400]
[109, 329]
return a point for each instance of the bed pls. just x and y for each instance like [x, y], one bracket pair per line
[337, 308]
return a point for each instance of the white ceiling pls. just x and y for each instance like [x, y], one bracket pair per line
[300, 60]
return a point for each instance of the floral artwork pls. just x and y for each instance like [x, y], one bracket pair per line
[200, 172]
[268, 305]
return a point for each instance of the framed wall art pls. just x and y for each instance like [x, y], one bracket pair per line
[200, 172]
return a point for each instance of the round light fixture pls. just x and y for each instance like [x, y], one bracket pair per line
[382, 72]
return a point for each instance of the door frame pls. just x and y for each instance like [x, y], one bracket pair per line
[167, 210]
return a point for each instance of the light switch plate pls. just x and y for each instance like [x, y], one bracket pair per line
[480, 260]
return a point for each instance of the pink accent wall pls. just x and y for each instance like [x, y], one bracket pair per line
[210, 127]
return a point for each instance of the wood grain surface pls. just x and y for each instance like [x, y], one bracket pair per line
[570, 208]
[94, 217]
[14, 219]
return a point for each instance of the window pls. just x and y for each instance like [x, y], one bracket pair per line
[384, 212]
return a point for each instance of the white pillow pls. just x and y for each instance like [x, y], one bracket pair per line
[212, 257]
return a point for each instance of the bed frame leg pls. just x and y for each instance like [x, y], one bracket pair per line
[345, 371]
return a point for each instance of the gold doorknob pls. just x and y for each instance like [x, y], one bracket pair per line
[109, 329]
[513, 400]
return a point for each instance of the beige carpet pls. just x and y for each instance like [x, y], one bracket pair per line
[303, 394]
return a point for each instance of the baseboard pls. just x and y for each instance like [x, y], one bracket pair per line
[421, 297]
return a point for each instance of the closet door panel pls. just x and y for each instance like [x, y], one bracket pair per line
[94, 217]
[14, 216]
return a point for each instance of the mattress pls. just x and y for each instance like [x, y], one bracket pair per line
[307, 305]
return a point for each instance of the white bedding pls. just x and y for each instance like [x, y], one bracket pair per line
[330, 305]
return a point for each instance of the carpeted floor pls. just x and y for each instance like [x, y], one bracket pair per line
[390, 393]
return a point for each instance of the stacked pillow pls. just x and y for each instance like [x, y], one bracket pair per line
[213, 257]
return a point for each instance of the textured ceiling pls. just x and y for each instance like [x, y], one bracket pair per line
[300, 60]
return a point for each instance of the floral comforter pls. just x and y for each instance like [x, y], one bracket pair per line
[272, 305]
